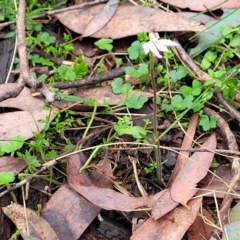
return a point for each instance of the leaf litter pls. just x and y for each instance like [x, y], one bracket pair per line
[23, 122]
[29, 222]
[128, 20]
[184, 186]
[74, 206]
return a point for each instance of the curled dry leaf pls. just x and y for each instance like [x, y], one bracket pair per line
[170, 227]
[187, 143]
[102, 18]
[202, 5]
[129, 20]
[195, 169]
[213, 185]
[11, 164]
[165, 203]
[26, 219]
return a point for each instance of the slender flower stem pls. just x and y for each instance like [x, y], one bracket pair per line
[90, 122]
[155, 121]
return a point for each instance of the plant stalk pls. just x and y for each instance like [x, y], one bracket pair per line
[155, 122]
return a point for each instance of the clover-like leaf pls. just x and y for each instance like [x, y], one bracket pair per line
[118, 86]
[6, 177]
[136, 102]
[104, 44]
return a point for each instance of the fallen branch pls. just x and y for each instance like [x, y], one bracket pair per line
[117, 72]
[25, 78]
[199, 74]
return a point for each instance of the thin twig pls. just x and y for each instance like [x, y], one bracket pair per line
[117, 72]
[234, 113]
[51, 163]
[25, 78]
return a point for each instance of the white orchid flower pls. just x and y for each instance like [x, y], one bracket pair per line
[155, 44]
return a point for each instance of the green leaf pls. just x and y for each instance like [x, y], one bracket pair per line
[6, 177]
[17, 143]
[142, 70]
[185, 90]
[69, 145]
[235, 41]
[31, 161]
[197, 106]
[50, 155]
[81, 69]
[136, 102]
[214, 164]
[195, 90]
[207, 123]
[69, 98]
[206, 39]
[104, 44]
[177, 74]
[205, 64]
[180, 104]
[143, 37]
[226, 30]
[138, 131]
[210, 56]
[135, 50]
[118, 86]
[46, 39]
[43, 77]
[66, 73]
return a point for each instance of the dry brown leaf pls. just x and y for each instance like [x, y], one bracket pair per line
[202, 226]
[195, 169]
[22, 123]
[128, 20]
[164, 205]
[102, 197]
[11, 164]
[69, 216]
[170, 227]
[102, 18]
[202, 5]
[212, 184]
[187, 143]
[24, 101]
[105, 94]
[25, 219]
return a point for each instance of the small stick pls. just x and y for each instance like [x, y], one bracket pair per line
[25, 78]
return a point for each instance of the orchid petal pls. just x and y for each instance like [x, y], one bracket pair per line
[153, 36]
[167, 42]
[154, 50]
[146, 47]
[161, 47]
